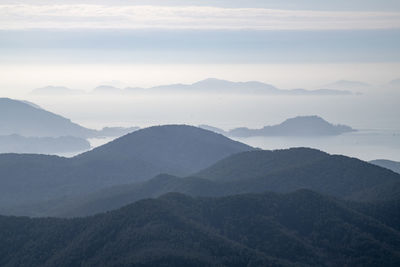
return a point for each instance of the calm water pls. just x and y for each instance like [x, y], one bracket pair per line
[365, 145]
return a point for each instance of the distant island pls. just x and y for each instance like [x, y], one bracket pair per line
[298, 126]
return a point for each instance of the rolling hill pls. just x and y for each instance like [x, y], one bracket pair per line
[298, 229]
[247, 172]
[175, 149]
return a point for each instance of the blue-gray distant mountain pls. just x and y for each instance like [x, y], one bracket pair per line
[56, 90]
[213, 85]
[302, 228]
[298, 126]
[42, 145]
[388, 164]
[174, 149]
[24, 119]
[29, 120]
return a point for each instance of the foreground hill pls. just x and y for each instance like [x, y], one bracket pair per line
[247, 172]
[302, 229]
[175, 149]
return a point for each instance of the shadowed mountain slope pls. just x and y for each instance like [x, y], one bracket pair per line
[301, 228]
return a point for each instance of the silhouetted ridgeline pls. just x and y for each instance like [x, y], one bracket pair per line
[298, 229]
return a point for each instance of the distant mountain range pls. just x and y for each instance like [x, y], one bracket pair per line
[302, 228]
[29, 120]
[213, 85]
[298, 126]
[210, 85]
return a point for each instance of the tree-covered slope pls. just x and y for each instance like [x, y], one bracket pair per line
[302, 228]
[292, 169]
[248, 172]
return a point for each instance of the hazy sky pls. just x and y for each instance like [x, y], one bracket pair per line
[58, 34]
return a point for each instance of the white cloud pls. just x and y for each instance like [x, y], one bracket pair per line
[138, 17]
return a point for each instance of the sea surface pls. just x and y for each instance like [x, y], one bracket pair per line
[376, 116]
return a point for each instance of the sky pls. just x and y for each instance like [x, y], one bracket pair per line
[203, 31]
[57, 34]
